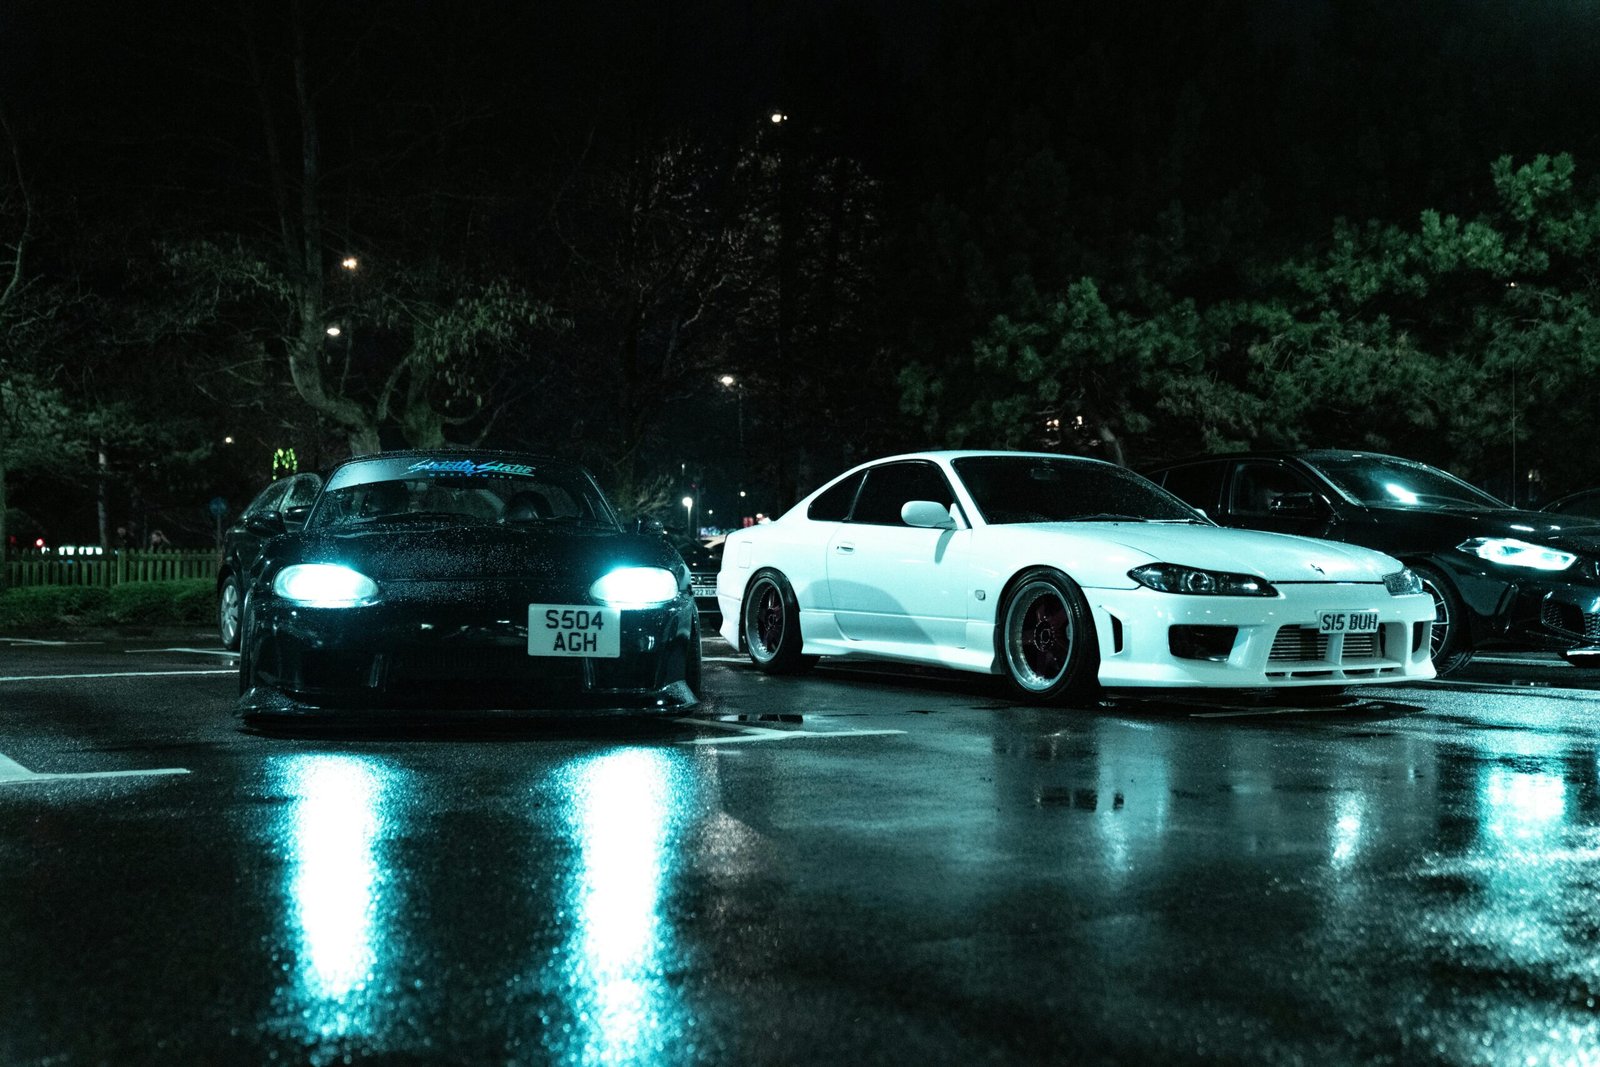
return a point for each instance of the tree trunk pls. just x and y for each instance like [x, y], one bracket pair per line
[5, 544]
[102, 492]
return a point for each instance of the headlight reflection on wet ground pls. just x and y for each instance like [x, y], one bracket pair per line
[335, 888]
[620, 812]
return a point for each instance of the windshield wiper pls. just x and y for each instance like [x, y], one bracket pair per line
[420, 516]
[1108, 516]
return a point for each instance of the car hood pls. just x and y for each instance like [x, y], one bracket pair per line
[1274, 557]
[455, 553]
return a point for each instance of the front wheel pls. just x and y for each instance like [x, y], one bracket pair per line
[228, 604]
[1447, 639]
[1045, 639]
[770, 619]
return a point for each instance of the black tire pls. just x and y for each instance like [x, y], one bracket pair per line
[1448, 642]
[693, 667]
[1045, 641]
[230, 603]
[247, 658]
[769, 621]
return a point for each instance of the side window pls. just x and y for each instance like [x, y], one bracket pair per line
[1198, 484]
[834, 504]
[302, 491]
[1256, 486]
[891, 485]
[269, 499]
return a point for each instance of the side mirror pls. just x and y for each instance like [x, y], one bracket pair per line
[266, 523]
[646, 525]
[1295, 505]
[927, 513]
[295, 517]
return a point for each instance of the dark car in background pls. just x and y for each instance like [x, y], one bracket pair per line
[1497, 575]
[704, 559]
[443, 580]
[279, 508]
[1580, 505]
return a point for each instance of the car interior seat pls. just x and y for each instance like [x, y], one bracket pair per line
[528, 505]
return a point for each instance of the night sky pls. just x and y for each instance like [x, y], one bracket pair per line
[615, 162]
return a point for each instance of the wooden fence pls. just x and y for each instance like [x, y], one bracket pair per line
[126, 565]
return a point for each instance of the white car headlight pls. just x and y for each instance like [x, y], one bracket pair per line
[324, 585]
[635, 587]
[1174, 578]
[1513, 553]
[1402, 582]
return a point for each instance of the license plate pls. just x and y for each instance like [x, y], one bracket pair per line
[1347, 622]
[574, 630]
[703, 590]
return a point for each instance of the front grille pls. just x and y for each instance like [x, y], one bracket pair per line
[1297, 644]
[1363, 646]
[1303, 644]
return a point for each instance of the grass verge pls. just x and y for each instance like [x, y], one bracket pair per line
[51, 607]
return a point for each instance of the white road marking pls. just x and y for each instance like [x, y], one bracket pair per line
[112, 674]
[196, 651]
[751, 734]
[35, 641]
[14, 773]
[726, 659]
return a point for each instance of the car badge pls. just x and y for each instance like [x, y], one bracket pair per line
[1318, 569]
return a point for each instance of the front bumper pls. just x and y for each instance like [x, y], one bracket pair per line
[1275, 643]
[1525, 608]
[465, 652]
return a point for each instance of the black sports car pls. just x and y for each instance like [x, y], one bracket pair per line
[1497, 575]
[705, 560]
[453, 579]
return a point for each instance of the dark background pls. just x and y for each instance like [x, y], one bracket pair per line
[573, 218]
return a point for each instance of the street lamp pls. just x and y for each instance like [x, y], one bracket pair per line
[688, 515]
[349, 263]
[334, 331]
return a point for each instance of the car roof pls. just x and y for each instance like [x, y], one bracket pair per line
[1283, 453]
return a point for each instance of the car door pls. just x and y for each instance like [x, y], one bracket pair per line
[893, 583]
[244, 538]
[1271, 494]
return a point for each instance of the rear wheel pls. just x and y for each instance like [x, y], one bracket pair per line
[1447, 639]
[1045, 639]
[770, 619]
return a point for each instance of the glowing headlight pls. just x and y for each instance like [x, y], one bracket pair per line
[635, 587]
[1402, 582]
[1172, 578]
[1513, 553]
[324, 585]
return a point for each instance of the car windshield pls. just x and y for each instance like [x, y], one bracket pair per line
[1011, 489]
[1389, 482]
[394, 491]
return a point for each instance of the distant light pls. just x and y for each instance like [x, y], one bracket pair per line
[38, 542]
[726, 379]
[227, 440]
[688, 501]
[349, 263]
[779, 117]
[334, 331]
[741, 492]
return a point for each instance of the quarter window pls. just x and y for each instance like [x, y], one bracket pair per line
[833, 503]
[1257, 485]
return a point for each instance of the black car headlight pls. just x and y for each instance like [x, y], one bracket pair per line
[324, 585]
[635, 587]
[1173, 578]
[1402, 582]
[1510, 552]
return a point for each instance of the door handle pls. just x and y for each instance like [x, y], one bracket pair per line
[844, 547]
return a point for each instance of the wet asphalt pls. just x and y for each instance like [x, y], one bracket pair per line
[860, 865]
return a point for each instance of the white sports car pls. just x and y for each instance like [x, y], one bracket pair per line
[1059, 573]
